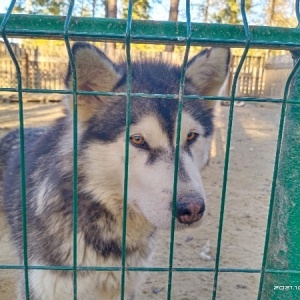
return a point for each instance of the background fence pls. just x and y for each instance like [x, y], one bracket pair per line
[276, 72]
[44, 68]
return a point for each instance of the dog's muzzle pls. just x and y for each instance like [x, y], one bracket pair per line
[189, 208]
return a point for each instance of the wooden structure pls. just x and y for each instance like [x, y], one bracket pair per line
[44, 68]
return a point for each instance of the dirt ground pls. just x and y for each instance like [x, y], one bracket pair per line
[252, 154]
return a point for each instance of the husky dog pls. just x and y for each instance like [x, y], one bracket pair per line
[101, 156]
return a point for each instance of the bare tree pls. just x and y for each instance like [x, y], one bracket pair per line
[94, 7]
[110, 8]
[206, 8]
[173, 16]
[28, 6]
[110, 12]
[271, 12]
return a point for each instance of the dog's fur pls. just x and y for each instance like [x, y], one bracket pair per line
[101, 155]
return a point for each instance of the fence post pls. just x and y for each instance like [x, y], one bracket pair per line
[282, 269]
[23, 56]
[24, 67]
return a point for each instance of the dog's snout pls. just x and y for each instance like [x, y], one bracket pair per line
[190, 210]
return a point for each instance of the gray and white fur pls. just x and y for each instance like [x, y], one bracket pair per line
[101, 155]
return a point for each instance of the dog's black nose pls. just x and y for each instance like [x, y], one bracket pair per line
[190, 209]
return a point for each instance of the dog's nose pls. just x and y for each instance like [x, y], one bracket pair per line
[190, 210]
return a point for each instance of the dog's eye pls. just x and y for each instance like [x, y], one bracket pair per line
[137, 140]
[191, 136]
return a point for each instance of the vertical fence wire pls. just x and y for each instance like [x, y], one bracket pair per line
[177, 145]
[126, 164]
[227, 149]
[22, 146]
[276, 165]
[127, 135]
[75, 144]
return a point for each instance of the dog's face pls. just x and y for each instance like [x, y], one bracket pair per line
[152, 166]
[153, 133]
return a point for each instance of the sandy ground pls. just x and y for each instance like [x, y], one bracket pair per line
[252, 154]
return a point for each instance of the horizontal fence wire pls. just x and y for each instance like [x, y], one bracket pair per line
[132, 31]
[155, 96]
[52, 27]
[149, 269]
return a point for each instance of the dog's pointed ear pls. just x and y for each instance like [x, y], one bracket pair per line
[207, 71]
[94, 72]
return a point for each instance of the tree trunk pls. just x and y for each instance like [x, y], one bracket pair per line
[206, 8]
[110, 8]
[271, 12]
[94, 3]
[110, 12]
[173, 16]
[28, 6]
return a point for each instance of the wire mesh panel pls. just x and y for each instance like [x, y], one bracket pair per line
[280, 269]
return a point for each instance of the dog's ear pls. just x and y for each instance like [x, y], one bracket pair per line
[207, 71]
[94, 72]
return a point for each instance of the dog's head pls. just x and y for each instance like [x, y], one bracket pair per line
[153, 132]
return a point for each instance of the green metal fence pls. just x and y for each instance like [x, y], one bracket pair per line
[280, 270]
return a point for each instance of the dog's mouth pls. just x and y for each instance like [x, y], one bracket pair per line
[180, 226]
[190, 218]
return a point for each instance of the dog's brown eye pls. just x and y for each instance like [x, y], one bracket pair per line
[137, 140]
[191, 136]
